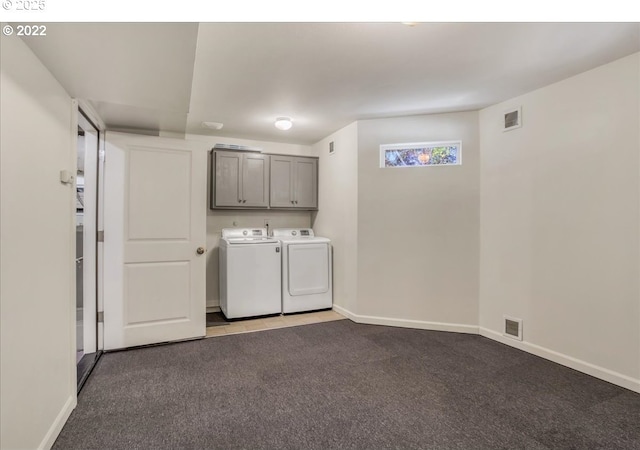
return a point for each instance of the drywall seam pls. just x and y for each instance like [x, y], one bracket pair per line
[406, 323]
[565, 360]
[56, 427]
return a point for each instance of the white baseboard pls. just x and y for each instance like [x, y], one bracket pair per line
[345, 312]
[405, 323]
[211, 309]
[616, 378]
[56, 427]
[568, 361]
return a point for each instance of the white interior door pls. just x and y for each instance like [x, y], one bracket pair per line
[154, 224]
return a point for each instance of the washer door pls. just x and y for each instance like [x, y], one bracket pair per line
[308, 269]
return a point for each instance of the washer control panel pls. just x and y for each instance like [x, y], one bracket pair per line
[244, 232]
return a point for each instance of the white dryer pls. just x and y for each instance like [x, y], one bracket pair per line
[250, 273]
[306, 270]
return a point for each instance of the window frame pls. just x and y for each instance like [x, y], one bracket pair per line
[414, 145]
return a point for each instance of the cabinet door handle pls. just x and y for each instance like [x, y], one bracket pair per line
[244, 201]
[239, 201]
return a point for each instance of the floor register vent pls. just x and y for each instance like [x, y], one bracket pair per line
[513, 327]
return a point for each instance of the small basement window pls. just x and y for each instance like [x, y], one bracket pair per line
[421, 154]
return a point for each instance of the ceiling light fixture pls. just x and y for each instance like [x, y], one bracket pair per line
[283, 123]
[212, 125]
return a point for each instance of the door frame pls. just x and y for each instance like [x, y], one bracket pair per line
[90, 226]
[85, 108]
[85, 115]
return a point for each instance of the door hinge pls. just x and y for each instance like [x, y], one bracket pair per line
[102, 154]
[100, 316]
[100, 236]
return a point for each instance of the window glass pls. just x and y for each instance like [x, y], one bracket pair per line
[421, 154]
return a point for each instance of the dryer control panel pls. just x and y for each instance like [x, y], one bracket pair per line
[293, 232]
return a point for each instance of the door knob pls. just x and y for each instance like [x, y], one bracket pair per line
[200, 250]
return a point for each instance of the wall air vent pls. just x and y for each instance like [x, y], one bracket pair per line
[512, 119]
[237, 148]
[513, 327]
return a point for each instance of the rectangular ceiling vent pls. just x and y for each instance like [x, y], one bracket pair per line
[513, 327]
[236, 148]
[512, 119]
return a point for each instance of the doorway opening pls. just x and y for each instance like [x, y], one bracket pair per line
[87, 208]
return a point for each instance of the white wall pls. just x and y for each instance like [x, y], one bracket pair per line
[37, 310]
[418, 227]
[560, 223]
[219, 219]
[337, 216]
[266, 146]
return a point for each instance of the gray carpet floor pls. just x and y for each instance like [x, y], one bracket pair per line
[342, 385]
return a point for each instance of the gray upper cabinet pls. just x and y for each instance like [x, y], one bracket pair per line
[227, 166]
[306, 186]
[241, 180]
[281, 182]
[255, 180]
[294, 182]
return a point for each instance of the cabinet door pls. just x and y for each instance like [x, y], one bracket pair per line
[255, 180]
[306, 183]
[227, 179]
[282, 181]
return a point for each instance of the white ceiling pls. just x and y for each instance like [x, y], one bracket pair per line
[137, 75]
[172, 77]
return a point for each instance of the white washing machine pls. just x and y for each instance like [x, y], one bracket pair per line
[306, 270]
[250, 273]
